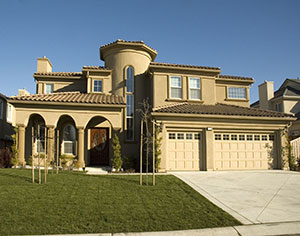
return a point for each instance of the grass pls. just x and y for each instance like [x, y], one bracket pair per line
[77, 203]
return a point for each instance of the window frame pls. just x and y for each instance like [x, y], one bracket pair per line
[129, 93]
[189, 89]
[68, 141]
[97, 80]
[236, 98]
[45, 88]
[170, 86]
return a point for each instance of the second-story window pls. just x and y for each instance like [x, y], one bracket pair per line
[175, 87]
[194, 88]
[130, 103]
[48, 88]
[97, 86]
[237, 93]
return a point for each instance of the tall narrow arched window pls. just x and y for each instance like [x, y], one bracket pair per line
[69, 139]
[130, 103]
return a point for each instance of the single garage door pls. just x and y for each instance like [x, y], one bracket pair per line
[184, 151]
[243, 151]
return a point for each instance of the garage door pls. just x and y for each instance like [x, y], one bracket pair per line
[243, 151]
[184, 151]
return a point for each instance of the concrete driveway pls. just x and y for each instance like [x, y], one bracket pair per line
[250, 196]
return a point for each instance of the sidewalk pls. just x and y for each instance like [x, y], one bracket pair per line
[287, 228]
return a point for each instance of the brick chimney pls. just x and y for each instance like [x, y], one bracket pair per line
[266, 93]
[44, 65]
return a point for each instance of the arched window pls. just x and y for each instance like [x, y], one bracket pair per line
[130, 103]
[69, 138]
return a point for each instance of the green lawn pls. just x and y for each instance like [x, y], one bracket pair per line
[77, 203]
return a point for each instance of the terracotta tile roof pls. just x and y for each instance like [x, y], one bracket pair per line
[95, 68]
[65, 74]
[219, 109]
[183, 66]
[72, 97]
[125, 41]
[235, 77]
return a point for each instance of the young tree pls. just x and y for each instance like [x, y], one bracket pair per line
[117, 158]
[14, 148]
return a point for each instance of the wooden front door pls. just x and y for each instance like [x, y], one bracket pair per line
[99, 148]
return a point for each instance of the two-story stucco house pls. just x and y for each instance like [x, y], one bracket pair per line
[286, 99]
[206, 119]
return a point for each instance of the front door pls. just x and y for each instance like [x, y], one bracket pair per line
[99, 149]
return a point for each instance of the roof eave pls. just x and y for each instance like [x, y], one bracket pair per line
[183, 68]
[56, 76]
[186, 115]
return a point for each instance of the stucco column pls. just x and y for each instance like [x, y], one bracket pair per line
[81, 146]
[208, 160]
[21, 144]
[50, 143]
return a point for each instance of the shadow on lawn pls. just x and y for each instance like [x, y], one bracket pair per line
[19, 177]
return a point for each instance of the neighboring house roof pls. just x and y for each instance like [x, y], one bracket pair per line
[64, 74]
[72, 97]
[162, 64]
[219, 109]
[3, 96]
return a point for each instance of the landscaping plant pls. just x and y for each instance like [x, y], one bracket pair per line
[117, 158]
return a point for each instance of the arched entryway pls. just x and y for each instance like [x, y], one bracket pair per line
[98, 136]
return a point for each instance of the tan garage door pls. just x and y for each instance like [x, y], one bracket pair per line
[184, 151]
[243, 151]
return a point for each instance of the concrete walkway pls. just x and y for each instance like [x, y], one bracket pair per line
[287, 228]
[252, 197]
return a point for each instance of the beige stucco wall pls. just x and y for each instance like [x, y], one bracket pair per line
[291, 106]
[62, 85]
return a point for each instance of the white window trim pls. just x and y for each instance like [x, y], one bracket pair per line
[63, 147]
[93, 83]
[195, 99]
[52, 87]
[241, 99]
[170, 86]
[9, 113]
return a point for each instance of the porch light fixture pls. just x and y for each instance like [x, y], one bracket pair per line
[209, 129]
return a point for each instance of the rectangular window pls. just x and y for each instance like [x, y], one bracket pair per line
[172, 136]
[197, 136]
[271, 137]
[48, 88]
[249, 137]
[233, 137]
[69, 147]
[264, 137]
[236, 93]
[175, 87]
[9, 112]
[180, 136]
[257, 137]
[194, 88]
[241, 137]
[225, 136]
[189, 136]
[1, 109]
[97, 86]
[217, 136]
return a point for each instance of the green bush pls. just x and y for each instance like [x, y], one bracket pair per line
[5, 157]
[129, 163]
[117, 159]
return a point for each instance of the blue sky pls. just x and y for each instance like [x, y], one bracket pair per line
[259, 39]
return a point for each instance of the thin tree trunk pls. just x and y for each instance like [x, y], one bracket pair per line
[32, 157]
[57, 149]
[45, 159]
[153, 154]
[141, 154]
[147, 151]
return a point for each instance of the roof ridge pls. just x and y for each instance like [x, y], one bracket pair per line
[45, 94]
[184, 65]
[234, 76]
[126, 41]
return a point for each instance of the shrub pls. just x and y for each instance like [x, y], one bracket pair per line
[5, 158]
[15, 151]
[117, 159]
[157, 146]
[67, 161]
[129, 163]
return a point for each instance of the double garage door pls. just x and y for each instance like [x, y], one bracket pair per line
[243, 151]
[232, 151]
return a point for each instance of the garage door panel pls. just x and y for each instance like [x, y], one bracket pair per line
[244, 151]
[184, 151]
